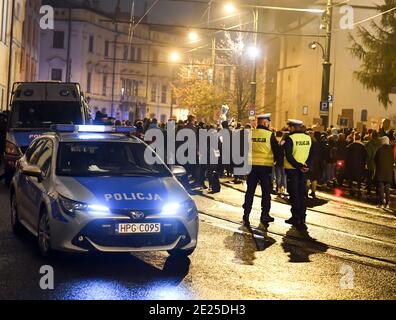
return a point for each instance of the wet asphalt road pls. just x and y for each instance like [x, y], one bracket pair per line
[347, 252]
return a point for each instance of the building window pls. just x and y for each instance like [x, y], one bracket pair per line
[104, 88]
[155, 57]
[135, 88]
[163, 118]
[59, 40]
[107, 44]
[91, 44]
[153, 92]
[56, 74]
[305, 110]
[89, 81]
[163, 94]
[132, 56]
[139, 54]
[364, 116]
[1, 98]
[4, 21]
[136, 54]
[126, 50]
[18, 11]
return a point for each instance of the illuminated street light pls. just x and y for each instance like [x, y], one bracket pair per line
[253, 52]
[314, 44]
[193, 36]
[174, 56]
[229, 8]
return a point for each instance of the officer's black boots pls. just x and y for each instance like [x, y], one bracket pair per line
[246, 221]
[295, 221]
[266, 219]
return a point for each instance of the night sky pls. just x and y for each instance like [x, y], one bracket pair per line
[163, 12]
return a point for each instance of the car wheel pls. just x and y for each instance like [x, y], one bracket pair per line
[181, 253]
[15, 223]
[44, 234]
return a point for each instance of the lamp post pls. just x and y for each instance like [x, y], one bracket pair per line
[254, 54]
[325, 93]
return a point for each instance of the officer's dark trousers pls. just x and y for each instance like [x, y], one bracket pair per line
[296, 187]
[262, 175]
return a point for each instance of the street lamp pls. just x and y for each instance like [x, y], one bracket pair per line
[253, 52]
[314, 44]
[193, 36]
[326, 50]
[229, 8]
[174, 56]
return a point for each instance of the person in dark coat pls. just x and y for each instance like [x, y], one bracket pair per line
[341, 147]
[356, 162]
[315, 173]
[384, 162]
[372, 146]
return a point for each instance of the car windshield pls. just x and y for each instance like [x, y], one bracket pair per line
[42, 114]
[92, 158]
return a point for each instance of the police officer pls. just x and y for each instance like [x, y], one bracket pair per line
[297, 148]
[264, 147]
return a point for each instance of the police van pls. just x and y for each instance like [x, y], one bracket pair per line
[35, 106]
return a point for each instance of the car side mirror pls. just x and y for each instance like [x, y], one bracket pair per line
[178, 171]
[33, 171]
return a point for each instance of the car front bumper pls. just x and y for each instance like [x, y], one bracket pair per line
[84, 233]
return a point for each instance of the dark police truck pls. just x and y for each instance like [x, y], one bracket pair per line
[35, 106]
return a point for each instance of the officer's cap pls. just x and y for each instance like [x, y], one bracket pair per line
[266, 116]
[294, 122]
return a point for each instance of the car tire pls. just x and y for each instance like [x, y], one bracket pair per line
[44, 235]
[15, 223]
[181, 253]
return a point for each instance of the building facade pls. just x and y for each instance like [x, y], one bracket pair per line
[293, 72]
[25, 44]
[123, 75]
[30, 49]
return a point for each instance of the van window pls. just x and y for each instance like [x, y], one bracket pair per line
[42, 114]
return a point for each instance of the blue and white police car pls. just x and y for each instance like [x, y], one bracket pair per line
[89, 188]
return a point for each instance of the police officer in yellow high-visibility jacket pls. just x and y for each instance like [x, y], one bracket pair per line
[297, 148]
[264, 147]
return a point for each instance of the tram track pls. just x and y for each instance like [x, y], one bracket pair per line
[342, 253]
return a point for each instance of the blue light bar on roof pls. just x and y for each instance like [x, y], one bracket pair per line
[91, 128]
[64, 128]
[94, 128]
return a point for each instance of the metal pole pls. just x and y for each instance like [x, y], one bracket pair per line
[114, 71]
[10, 62]
[253, 85]
[148, 71]
[68, 66]
[116, 14]
[327, 64]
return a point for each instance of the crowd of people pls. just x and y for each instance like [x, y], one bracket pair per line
[339, 156]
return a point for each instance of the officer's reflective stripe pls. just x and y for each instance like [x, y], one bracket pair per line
[261, 148]
[301, 147]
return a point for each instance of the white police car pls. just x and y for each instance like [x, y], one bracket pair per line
[81, 190]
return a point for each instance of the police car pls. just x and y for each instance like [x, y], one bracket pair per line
[89, 188]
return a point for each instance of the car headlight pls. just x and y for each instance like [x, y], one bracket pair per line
[70, 207]
[172, 208]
